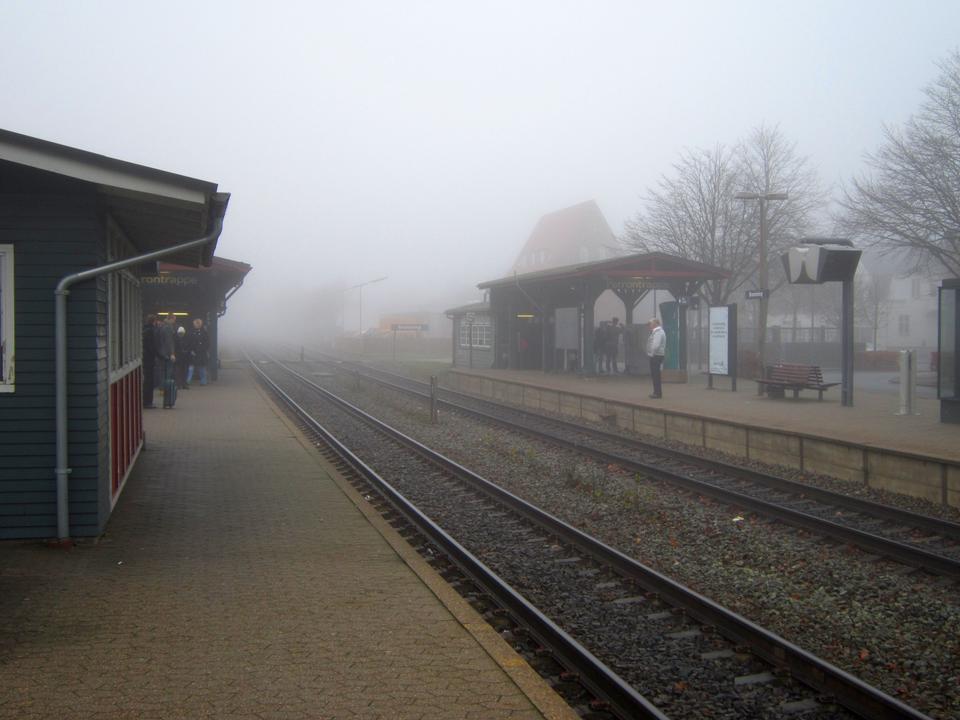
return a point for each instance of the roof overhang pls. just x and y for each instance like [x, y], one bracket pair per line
[153, 208]
[656, 267]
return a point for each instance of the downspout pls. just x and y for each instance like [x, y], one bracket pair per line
[218, 207]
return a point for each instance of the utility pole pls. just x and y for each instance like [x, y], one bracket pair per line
[762, 198]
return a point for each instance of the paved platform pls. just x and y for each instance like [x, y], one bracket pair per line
[237, 579]
[872, 420]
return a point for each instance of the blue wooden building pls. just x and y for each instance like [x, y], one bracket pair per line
[64, 211]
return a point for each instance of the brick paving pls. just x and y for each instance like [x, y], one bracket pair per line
[237, 580]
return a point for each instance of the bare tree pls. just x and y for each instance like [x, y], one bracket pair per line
[770, 164]
[872, 298]
[910, 202]
[693, 213]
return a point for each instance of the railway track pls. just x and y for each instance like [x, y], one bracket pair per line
[660, 637]
[881, 530]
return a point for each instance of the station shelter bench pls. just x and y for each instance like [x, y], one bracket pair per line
[791, 376]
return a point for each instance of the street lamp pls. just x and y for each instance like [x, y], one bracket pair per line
[358, 287]
[762, 198]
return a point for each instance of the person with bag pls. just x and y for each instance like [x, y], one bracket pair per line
[167, 360]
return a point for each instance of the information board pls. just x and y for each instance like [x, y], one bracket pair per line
[720, 340]
[567, 328]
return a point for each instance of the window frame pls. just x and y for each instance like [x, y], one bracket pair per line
[482, 334]
[7, 325]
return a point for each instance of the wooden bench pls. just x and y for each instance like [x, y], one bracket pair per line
[792, 376]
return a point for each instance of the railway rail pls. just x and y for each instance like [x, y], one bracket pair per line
[641, 619]
[917, 540]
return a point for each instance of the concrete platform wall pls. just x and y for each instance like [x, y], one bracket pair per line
[930, 478]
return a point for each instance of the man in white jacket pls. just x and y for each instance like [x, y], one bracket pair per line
[656, 347]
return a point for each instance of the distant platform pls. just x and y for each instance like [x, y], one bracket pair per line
[868, 443]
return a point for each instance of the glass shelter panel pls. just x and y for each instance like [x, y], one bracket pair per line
[947, 387]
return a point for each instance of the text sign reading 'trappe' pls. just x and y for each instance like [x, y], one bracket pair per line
[409, 327]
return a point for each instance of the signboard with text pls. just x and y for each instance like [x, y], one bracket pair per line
[720, 340]
[723, 343]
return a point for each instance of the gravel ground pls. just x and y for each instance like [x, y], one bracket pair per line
[898, 630]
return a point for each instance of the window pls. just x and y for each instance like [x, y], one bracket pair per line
[125, 331]
[126, 334]
[482, 334]
[6, 319]
[903, 325]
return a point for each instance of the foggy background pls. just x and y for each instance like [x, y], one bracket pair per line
[422, 141]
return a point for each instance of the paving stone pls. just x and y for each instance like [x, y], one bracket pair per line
[235, 579]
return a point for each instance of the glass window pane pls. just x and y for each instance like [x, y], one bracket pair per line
[948, 343]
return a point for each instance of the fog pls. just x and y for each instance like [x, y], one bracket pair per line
[422, 141]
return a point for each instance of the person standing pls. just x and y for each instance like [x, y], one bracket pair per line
[614, 330]
[180, 347]
[149, 359]
[167, 357]
[600, 346]
[198, 348]
[656, 349]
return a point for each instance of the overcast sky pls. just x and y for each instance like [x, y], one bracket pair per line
[423, 140]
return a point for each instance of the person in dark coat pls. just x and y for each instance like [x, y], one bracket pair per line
[198, 348]
[167, 357]
[180, 346]
[612, 341]
[600, 346]
[149, 359]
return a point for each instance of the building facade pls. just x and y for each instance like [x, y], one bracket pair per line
[64, 211]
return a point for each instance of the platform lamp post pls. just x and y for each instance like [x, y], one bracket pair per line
[762, 198]
[359, 288]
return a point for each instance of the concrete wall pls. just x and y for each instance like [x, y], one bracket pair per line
[928, 478]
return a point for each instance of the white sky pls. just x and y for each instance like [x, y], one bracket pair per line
[422, 140]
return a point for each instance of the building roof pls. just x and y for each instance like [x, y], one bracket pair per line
[219, 266]
[579, 233]
[154, 208]
[464, 309]
[653, 266]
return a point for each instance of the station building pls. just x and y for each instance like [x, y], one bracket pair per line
[78, 231]
[545, 320]
[194, 292]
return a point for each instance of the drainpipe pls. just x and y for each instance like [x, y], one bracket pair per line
[218, 207]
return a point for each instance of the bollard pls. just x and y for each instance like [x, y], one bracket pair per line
[908, 383]
[433, 399]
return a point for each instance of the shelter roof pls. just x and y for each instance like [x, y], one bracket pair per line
[219, 266]
[656, 266]
[154, 208]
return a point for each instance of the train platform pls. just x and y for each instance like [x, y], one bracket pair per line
[868, 442]
[240, 577]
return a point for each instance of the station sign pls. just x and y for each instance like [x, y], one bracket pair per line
[627, 284]
[757, 294]
[409, 327]
[170, 279]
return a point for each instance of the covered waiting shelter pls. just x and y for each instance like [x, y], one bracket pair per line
[533, 312]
